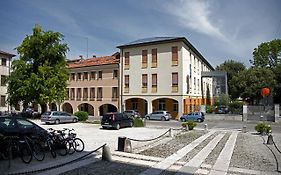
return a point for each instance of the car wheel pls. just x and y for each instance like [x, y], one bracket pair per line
[183, 120]
[74, 120]
[147, 118]
[117, 126]
[199, 120]
[57, 121]
[163, 118]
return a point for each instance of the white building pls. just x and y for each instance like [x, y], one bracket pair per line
[163, 73]
[5, 65]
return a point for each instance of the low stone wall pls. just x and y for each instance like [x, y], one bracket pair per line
[219, 117]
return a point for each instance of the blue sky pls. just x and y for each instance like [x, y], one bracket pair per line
[219, 29]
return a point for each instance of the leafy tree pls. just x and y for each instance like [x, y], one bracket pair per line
[40, 74]
[267, 54]
[251, 81]
[233, 68]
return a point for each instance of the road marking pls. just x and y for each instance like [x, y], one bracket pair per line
[222, 164]
[166, 163]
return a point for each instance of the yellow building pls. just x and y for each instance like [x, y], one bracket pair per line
[163, 73]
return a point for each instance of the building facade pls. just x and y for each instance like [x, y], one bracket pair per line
[5, 68]
[163, 73]
[93, 85]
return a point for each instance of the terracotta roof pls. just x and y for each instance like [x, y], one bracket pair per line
[96, 61]
[6, 53]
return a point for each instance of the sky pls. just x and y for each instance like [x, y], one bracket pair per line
[219, 29]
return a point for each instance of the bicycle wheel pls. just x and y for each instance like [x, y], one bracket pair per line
[79, 145]
[38, 152]
[61, 149]
[51, 148]
[70, 144]
[25, 153]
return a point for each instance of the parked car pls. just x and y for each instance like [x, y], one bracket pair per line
[159, 115]
[193, 116]
[132, 113]
[221, 110]
[16, 125]
[58, 117]
[116, 120]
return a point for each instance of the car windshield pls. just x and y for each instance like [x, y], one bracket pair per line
[47, 113]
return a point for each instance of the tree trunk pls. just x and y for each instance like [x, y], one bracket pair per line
[43, 108]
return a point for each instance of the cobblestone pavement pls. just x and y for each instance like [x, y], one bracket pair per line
[189, 152]
[249, 155]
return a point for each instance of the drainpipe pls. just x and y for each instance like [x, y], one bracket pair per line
[121, 81]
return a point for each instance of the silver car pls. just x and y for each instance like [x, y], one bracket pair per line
[58, 117]
[159, 115]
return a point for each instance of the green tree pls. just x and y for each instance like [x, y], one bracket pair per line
[40, 74]
[233, 68]
[251, 81]
[267, 54]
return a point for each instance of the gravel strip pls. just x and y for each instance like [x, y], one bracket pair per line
[108, 168]
[166, 149]
[251, 153]
[212, 157]
[198, 148]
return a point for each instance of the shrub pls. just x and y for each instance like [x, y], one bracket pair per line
[189, 124]
[263, 128]
[138, 122]
[209, 109]
[236, 107]
[82, 115]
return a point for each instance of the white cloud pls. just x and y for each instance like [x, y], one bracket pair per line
[195, 15]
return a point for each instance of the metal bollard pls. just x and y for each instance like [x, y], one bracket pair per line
[171, 132]
[106, 154]
[269, 140]
[244, 129]
[206, 127]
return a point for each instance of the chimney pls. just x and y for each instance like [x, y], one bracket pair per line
[94, 56]
[81, 57]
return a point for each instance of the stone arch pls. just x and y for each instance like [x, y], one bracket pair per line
[137, 103]
[87, 108]
[167, 104]
[106, 108]
[67, 108]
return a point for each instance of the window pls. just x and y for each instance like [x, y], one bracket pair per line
[3, 80]
[194, 83]
[78, 97]
[85, 93]
[174, 55]
[114, 93]
[154, 80]
[72, 77]
[127, 60]
[144, 59]
[175, 79]
[144, 80]
[3, 100]
[85, 77]
[99, 95]
[72, 93]
[93, 75]
[79, 76]
[4, 62]
[92, 94]
[154, 58]
[115, 73]
[100, 74]
[127, 79]
[175, 106]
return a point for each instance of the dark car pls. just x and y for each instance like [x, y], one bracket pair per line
[221, 110]
[132, 113]
[16, 125]
[193, 116]
[116, 120]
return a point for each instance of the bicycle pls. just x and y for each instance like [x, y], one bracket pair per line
[60, 145]
[73, 143]
[35, 147]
